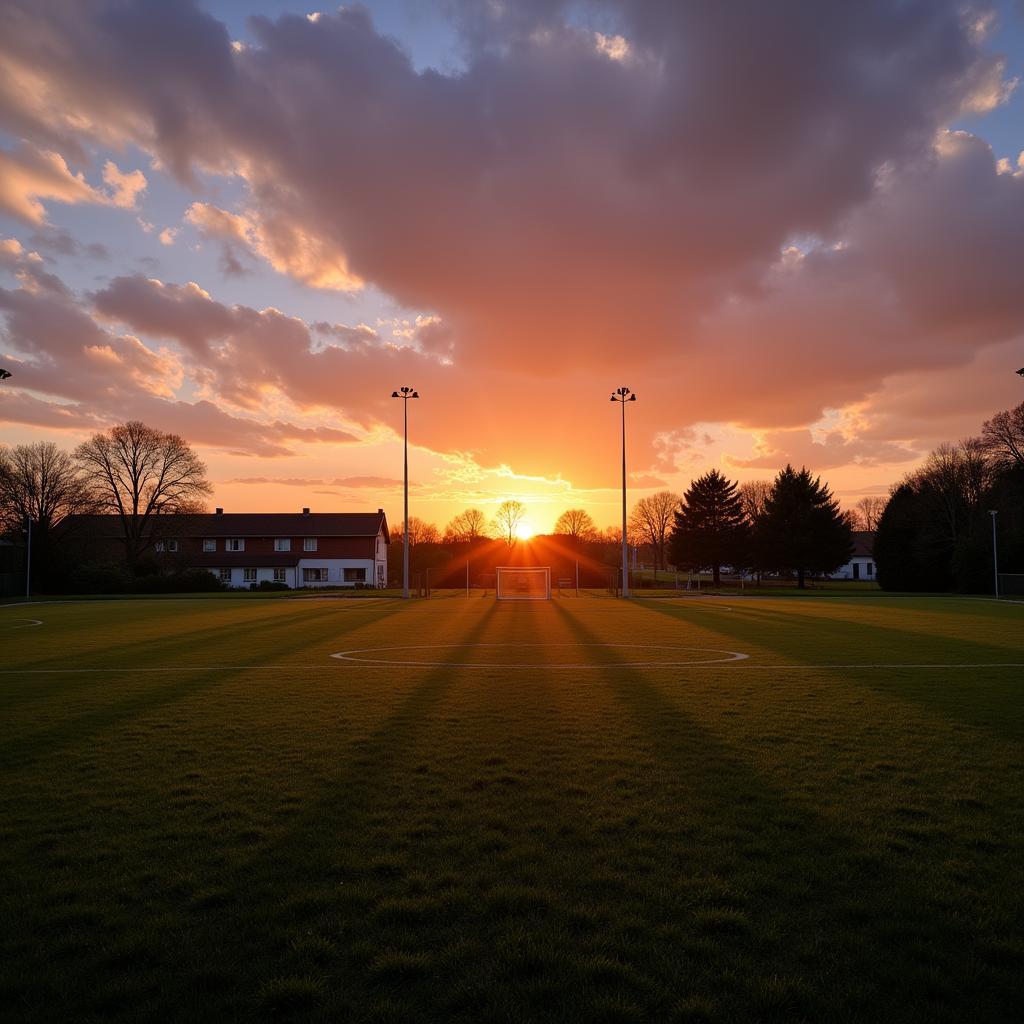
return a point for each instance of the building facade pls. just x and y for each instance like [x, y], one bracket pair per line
[861, 565]
[245, 549]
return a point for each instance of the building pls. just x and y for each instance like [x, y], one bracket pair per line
[861, 565]
[244, 549]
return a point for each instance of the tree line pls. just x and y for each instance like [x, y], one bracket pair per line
[933, 532]
[791, 524]
[936, 531]
[132, 471]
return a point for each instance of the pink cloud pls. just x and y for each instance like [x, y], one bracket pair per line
[570, 211]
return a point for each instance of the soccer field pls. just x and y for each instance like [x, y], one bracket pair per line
[697, 809]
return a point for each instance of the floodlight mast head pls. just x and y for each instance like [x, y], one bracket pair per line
[1021, 371]
[4, 374]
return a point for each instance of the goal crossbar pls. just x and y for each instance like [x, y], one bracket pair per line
[519, 583]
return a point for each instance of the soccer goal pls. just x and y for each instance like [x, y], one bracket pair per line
[518, 584]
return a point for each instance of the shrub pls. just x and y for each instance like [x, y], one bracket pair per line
[188, 581]
[100, 578]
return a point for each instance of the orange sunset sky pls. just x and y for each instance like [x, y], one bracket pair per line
[794, 229]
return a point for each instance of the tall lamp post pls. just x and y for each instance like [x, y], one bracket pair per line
[622, 396]
[995, 551]
[405, 394]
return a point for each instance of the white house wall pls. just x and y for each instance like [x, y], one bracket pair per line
[293, 575]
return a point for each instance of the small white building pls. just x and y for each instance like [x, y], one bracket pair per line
[861, 565]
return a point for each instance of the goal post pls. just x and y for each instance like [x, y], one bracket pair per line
[515, 583]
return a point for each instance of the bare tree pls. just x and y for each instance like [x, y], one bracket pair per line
[1002, 437]
[576, 523]
[955, 479]
[466, 528]
[867, 512]
[420, 532]
[42, 482]
[754, 497]
[507, 519]
[651, 520]
[612, 535]
[141, 473]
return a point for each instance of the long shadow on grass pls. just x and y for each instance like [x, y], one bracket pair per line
[911, 631]
[816, 924]
[830, 636]
[161, 650]
[982, 698]
[313, 878]
[142, 695]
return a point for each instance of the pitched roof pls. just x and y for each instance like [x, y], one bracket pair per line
[244, 524]
[863, 544]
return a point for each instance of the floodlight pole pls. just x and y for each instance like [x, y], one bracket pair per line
[995, 551]
[622, 396]
[28, 560]
[406, 394]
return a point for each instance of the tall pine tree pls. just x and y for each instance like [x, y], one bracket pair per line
[802, 529]
[710, 525]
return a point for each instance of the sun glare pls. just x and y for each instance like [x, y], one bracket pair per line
[525, 530]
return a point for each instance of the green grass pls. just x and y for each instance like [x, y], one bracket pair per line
[256, 830]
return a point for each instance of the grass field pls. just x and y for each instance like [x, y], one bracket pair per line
[204, 815]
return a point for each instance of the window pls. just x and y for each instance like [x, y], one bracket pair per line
[282, 543]
[280, 575]
[309, 544]
[249, 575]
[871, 568]
[167, 545]
[209, 544]
[314, 575]
[234, 544]
[224, 575]
[355, 575]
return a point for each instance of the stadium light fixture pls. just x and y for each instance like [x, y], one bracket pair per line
[1020, 372]
[406, 394]
[4, 374]
[622, 396]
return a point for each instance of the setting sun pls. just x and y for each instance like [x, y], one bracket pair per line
[525, 530]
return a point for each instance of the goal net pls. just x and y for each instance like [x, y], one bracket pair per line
[516, 584]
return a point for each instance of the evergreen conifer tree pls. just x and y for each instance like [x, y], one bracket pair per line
[803, 529]
[710, 525]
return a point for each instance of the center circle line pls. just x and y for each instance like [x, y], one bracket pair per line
[357, 655]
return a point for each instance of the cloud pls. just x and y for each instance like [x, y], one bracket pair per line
[776, 449]
[125, 187]
[283, 244]
[747, 239]
[78, 374]
[373, 482]
[29, 175]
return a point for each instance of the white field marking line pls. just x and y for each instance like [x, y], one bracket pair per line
[285, 601]
[25, 623]
[351, 656]
[898, 664]
[353, 662]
